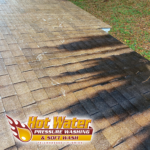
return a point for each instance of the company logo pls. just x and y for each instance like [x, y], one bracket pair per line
[57, 129]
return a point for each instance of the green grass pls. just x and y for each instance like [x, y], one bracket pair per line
[129, 20]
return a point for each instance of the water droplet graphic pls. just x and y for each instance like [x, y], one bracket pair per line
[24, 134]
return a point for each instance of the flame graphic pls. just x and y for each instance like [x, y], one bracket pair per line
[24, 134]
